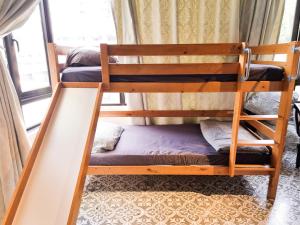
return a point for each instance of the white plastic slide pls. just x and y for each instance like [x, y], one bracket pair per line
[48, 195]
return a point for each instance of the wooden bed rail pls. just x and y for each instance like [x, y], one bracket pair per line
[175, 49]
[274, 49]
[228, 49]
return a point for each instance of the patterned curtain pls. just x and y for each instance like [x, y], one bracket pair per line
[261, 21]
[14, 145]
[177, 22]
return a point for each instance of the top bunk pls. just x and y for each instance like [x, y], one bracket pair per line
[244, 74]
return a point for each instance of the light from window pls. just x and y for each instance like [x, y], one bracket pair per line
[31, 55]
[34, 112]
[81, 22]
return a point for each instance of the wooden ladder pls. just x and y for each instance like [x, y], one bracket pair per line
[235, 142]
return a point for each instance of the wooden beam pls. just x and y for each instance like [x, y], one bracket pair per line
[238, 104]
[173, 170]
[256, 143]
[167, 113]
[173, 69]
[152, 87]
[175, 49]
[259, 117]
[80, 84]
[274, 63]
[53, 65]
[262, 128]
[104, 65]
[271, 49]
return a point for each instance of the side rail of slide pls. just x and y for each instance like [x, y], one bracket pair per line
[50, 187]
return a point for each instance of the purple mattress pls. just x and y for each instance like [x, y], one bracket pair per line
[258, 72]
[169, 145]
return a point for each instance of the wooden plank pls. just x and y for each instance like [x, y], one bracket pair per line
[256, 143]
[167, 113]
[259, 117]
[50, 187]
[238, 104]
[271, 49]
[53, 65]
[152, 87]
[173, 69]
[171, 170]
[175, 49]
[16, 198]
[265, 130]
[104, 65]
[275, 63]
[80, 84]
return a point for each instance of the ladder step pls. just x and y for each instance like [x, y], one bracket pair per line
[258, 117]
[256, 143]
[256, 167]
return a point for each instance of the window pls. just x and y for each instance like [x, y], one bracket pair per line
[84, 23]
[27, 60]
[28, 66]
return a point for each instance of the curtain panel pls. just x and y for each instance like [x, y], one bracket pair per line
[177, 22]
[14, 144]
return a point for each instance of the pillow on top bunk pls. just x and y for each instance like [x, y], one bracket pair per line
[218, 135]
[106, 137]
[85, 56]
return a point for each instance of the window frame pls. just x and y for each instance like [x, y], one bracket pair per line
[10, 48]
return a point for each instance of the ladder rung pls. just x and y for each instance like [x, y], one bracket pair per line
[258, 117]
[256, 143]
[256, 167]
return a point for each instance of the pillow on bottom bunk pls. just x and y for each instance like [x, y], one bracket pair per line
[106, 137]
[218, 135]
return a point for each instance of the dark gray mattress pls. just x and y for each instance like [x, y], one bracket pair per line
[168, 145]
[258, 72]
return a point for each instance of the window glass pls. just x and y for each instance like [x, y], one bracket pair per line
[34, 112]
[287, 21]
[31, 54]
[82, 22]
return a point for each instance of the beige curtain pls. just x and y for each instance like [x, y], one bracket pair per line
[261, 21]
[14, 145]
[177, 21]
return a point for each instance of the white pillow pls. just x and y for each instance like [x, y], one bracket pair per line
[106, 137]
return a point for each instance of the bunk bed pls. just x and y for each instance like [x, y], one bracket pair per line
[155, 78]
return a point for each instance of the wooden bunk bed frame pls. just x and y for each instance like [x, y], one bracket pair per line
[276, 138]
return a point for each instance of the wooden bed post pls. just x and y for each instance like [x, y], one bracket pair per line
[283, 118]
[104, 59]
[53, 64]
[238, 107]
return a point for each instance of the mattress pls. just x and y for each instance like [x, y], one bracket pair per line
[169, 145]
[258, 72]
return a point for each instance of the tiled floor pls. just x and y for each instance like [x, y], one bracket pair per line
[192, 199]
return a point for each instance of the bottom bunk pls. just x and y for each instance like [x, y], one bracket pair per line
[178, 145]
